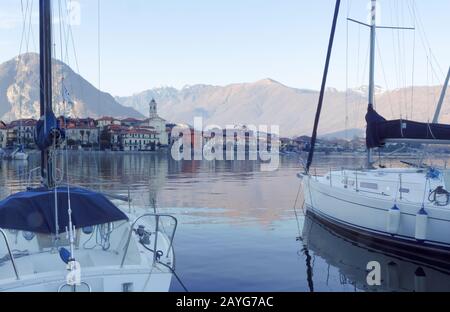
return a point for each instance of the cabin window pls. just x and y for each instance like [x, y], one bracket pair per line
[348, 182]
[127, 287]
[404, 190]
[370, 186]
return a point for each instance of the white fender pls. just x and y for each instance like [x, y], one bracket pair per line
[393, 277]
[393, 220]
[420, 280]
[421, 225]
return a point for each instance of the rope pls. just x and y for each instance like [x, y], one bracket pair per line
[431, 131]
[300, 188]
[176, 276]
[425, 191]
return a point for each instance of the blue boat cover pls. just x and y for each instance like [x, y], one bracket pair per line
[380, 129]
[46, 130]
[34, 210]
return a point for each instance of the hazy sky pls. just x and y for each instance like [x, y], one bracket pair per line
[150, 43]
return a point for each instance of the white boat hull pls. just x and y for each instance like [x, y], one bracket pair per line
[120, 263]
[366, 212]
[108, 280]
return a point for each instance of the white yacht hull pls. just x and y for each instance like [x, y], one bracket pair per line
[368, 213]
[108, 280]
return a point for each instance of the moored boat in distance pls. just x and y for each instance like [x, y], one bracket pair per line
[17, 154]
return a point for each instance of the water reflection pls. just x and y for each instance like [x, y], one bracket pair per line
[235, 189]
[350, 256]
[237, 224]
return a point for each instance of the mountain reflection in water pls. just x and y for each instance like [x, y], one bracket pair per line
[237, 226]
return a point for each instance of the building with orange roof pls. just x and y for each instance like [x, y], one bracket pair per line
[131, 122]
[140, 139]
[82, 135]
[107, 121]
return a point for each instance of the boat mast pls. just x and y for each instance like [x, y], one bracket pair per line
[441, 99]
[373, 34]
[45, 44]
[322, 90]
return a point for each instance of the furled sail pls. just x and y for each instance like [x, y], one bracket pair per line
[379, 130]
[34, 210]
[48, 132]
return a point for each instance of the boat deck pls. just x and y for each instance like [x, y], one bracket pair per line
[401, 185]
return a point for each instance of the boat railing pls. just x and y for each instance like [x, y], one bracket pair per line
[11, 256]
[32, 175]
[361, 176]
[74, 288]
[159, 228]
[359, 182]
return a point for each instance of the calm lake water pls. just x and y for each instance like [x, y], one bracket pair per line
[238, 229]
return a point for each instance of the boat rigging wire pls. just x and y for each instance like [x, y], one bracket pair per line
[176, 276]
[385, 78]
[413, 65]
[349, 3]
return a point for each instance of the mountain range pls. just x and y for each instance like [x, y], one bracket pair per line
[19, 92]
[265, 102]
[268, 102]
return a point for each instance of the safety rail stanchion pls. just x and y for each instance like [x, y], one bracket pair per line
[13, 261]
[155, 253]
[157, 219]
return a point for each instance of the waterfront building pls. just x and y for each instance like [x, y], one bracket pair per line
[82, 135]
[24, 128]
[107, 121]
[111, 137]
[131, 122]
[140, 139]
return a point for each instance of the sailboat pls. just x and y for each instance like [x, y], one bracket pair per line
[409, 207]
[63, 238]
[19, 153]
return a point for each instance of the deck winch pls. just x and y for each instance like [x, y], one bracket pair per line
[439, 197]
[144, 236]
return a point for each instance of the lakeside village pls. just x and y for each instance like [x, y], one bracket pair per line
[155, 133]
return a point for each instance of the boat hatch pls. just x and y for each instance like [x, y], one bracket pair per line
[370, 186]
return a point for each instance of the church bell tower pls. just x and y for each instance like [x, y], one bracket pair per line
[153, 108]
